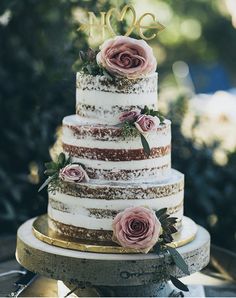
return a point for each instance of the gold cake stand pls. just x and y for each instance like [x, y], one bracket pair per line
[45, 234]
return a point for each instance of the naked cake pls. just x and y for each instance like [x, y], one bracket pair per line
[116, 148]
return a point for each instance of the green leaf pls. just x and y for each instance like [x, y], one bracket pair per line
[167, 220]
[145, 110]
[157, 248]
[163, 218]
[178, 284]
[145, 144]
[68, 161]
[61, 159]
[46, 182]
[82, 56]
[129, 130]
[50, 172]
[177, 258]
[167, 238]
[89, 69]
[51, 165]
[107, 75]
[161, 212]
[173, 229]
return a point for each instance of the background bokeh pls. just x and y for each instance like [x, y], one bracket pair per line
[39, 47]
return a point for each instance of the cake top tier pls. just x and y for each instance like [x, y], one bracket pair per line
[118, 78]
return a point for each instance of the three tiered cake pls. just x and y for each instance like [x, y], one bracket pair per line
[116, 171]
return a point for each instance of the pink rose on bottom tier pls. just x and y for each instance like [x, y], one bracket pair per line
[147, 123]
[73, 173]
[136, 227]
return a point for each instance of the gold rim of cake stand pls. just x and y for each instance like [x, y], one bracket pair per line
[43, 233]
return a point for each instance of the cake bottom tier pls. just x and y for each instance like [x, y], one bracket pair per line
[86, 234]
[88, 211]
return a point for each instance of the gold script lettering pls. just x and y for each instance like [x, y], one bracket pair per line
[120, 17]
[139, 26]
[104, 23]
[94, 22]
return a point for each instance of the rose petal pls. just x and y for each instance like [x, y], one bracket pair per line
[140, 60]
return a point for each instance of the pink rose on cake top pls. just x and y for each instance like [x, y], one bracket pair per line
[73, 173]
[136, 227]
[127, 57]
[147, 123]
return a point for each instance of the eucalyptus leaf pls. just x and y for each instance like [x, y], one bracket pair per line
[178, 284]
[145, 110]
[51, 165]
[89, 69]
[161, 212]
[82, 56]
[164, 217]
[157, 248]
[50, 172]
[46, 182]
[167, 238]
[173, 229]
[177, 258]
[107, 75]
[167, 221]
[145, 144]
[61, 159]
[68, 161]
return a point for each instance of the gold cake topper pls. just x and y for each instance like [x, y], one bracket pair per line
[104, 23]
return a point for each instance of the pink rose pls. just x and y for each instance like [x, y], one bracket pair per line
[146, 123]
[73, 173]
[136, 227]
[129, 116]
[127, 57]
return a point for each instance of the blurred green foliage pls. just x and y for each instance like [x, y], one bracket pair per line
[209, 188]
[38, 47]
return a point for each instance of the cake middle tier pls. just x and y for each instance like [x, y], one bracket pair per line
[87, 210]
[107, 155]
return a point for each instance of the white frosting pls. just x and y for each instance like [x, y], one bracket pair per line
[84, 221]
[155, 139]
[174, 178]
[78, 215]
[77, 209]
[77, 205]
[105, 102]
[124, 165]
[153, 168]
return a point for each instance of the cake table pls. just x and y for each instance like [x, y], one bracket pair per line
[98, 274]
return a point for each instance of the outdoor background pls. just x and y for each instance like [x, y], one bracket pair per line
[196, 53]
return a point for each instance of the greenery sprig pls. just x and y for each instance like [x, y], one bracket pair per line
[151, 112]
[52, 171]
[129, 129]
[90, 65]
[168, 228]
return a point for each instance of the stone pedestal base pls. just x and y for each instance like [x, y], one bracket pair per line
[155, 290]
[107, 274]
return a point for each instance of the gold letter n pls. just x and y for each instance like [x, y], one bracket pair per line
[94, 23]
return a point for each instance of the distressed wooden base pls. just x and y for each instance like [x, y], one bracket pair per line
[126, 273]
